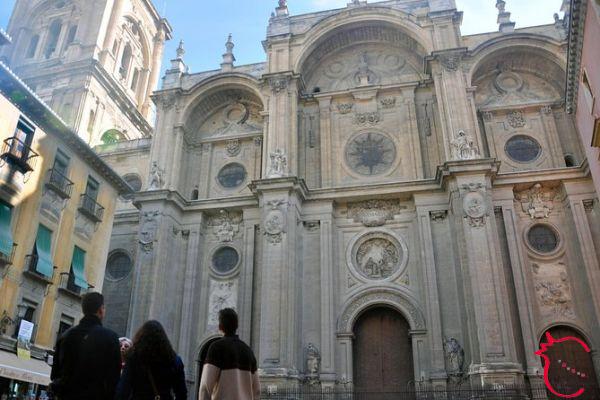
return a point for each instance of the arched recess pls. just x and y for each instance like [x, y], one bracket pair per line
[202, 353]
[396, 299]
[372, 52]
[569, 367]
[367, 16]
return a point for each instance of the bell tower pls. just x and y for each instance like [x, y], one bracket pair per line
[95, 63]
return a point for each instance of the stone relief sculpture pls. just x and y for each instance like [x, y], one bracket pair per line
[374, 213]
[274, 226]
[464, 147]
[537, 202]
[455, 356]
[148, 228]
[156, 180]
[313, 363]
[516, 119]
[474, 205]
[226, 226]
[553, 290]
[378, 258]
[279, 164]
[222, 295]
[233, 147]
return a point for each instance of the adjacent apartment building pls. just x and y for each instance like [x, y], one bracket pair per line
[583, 86]
[57, 201]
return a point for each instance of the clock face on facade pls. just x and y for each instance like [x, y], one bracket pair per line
[370, 154]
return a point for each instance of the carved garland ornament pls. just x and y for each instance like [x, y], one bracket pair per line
[374, 213]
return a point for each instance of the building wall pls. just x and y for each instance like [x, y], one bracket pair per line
[35, 204]
[588, 107]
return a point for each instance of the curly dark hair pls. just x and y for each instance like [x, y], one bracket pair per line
[152, 346]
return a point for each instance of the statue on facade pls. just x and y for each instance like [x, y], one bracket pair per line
[455, 356]
[464, 148]
[278, 164]
[313, 363]
[156, 177]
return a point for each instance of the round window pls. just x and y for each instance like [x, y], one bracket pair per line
[542, 238]
[523, 149]
[118, 266]
[232, 175]
[370, 153]
[225, 259]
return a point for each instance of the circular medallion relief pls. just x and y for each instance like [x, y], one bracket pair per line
[543, 238]
[378, 256]
[370, 153]
[232, 175]
[236, 113]
[523, 149]
[508, 82]
[225, 260]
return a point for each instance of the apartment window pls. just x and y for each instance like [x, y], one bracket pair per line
[17, 150]
[65, 324]
[61, 163]
[33, 44]
[6, 239]
[92, 188]
[24, 135]
[42, 253]
[53, 36]
[77, 276]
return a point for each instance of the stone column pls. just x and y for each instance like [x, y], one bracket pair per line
[454, 105]
[283, 124]
[430, 279]
[280, 202]
[247, 275]
[328, 317]
[325, 136]
[157, 53]
[410, 111]
[493, 350]
[525, 298]
[488, 124]
[344, 341]
[549, 125]
[111, 30]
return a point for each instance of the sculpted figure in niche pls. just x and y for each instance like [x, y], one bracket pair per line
[278, 167]
[455, 356]
[313, 362]
[156, 177]
[464, 147]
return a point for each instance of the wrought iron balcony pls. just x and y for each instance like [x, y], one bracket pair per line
[59, 183]
[7, 259]
[90, 208]
[67, 284]
[31, 262]
[19, 154]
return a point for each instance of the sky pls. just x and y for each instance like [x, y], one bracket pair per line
[204, 25]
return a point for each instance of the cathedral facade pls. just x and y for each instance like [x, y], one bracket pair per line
[384, 201]
[382, 194]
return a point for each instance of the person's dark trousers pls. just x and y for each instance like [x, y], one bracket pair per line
[87, 362]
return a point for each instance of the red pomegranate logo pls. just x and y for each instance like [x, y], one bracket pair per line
[547, 363]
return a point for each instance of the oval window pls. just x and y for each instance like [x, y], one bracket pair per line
[232, 175]
[523, 149]
[225, 260]
[119, 266]
[542, 238]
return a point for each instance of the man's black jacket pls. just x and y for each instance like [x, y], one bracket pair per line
[87, 362]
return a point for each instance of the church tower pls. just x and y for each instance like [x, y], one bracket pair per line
[95, 63]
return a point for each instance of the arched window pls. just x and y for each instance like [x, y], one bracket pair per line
[135, 79]
[71, 35]
[125, 61]
[570, 161]
[33, 44]
[112, 136]
[53, 36]
[195, 194]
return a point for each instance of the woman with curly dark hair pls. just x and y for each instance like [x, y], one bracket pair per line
[153, 371]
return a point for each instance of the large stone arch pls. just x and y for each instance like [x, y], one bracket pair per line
[396, 298]
[372, 14]
[589, 338]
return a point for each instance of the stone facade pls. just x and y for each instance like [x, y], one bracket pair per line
[95, 63]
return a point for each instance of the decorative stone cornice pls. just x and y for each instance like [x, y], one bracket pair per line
[450, 60]
[577, 16]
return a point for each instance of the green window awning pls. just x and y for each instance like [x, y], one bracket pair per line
[78, 268]
[6, 240]
[43, 245]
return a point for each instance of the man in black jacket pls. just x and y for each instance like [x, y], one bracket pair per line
[87, 358]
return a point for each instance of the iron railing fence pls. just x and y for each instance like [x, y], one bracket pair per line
[423, 392]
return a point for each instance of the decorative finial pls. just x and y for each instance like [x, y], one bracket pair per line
[506, 25]
[180, 50]
[228, 57]
[282, 10]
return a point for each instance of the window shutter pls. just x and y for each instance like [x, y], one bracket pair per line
[43, 245]
[78, 268]
[6, 240]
